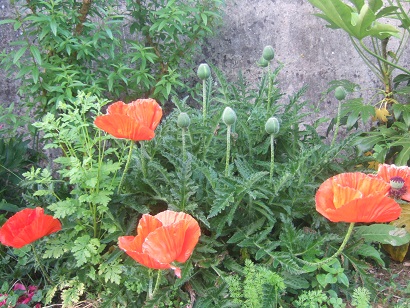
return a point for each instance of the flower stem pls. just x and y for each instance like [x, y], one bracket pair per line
[336, 254]
[228, 149]
[143, 162]
[269, 87]
[126, 166]
[183, 145]
[272, 156]
[337, 124]
[40, 265]
[151, 292]
[157, 283]
[204, 100]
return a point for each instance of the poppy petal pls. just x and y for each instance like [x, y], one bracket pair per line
[192, 234]
[132, 247]
[376, 208]
[28, 226]
[146, 111]
[165, 243]
[343, 195]
[147, 224]
[124, 127]
[356, 197]
[117, 108]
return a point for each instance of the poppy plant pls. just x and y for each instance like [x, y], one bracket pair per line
[398, 178]
[356, 197]
[162, 239]
[134, 121]
[27, 226]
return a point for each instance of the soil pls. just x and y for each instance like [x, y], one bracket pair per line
[394, 284]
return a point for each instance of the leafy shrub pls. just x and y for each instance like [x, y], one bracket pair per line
[136, 49]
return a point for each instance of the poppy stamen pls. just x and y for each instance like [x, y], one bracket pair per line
[397, 187]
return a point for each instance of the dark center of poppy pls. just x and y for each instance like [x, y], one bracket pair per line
[397, 188]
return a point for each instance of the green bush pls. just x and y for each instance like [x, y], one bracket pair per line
[127, 50]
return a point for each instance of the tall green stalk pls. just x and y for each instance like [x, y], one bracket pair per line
[228, 149]
[126, 166]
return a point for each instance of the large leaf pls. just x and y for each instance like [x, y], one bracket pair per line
[359, 21]
[404, 155]
[384, 234]
[404, 219]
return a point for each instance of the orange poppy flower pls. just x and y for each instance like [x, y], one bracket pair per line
[162, 239]
[27, 226]
[356, 197]
[135, 121]
[398, 178]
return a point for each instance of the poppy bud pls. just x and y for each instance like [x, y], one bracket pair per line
[183, 120]
[340, 93]
[203, 71]
[272, 126]
[262, 62]
[268, 53]
[229, 116]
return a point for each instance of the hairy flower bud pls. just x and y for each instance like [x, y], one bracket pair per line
[183, 120]
[262, 62]
[272, 126]
[268, 53]
[229, 116]
[203, 71]
[340, 93]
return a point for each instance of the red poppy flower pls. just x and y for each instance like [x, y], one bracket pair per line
[398, 178]
[27, 226]
[162, 239]
[356, 197]
[135, 121]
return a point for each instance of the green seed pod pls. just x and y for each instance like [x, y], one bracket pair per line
[262, 62]
[268, 53]
[340, 93]
[229, 116]
[183, 120]
[204, 71]
[272, 126]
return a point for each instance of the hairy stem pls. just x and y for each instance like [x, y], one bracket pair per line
[272, 156]
[126, 166]
[228, 149]
[204, 100]
[40, 265]
[337, 125]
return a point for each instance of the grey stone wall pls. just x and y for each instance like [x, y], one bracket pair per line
[312, 54]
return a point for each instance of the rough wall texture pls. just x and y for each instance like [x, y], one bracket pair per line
[312, 54]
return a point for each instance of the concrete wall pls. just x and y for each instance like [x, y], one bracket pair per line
[311, 53]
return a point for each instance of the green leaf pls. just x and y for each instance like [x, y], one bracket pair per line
[384, 234]
[53, 26]
[404, 155]
[36, 54]
[19, 54]
[111, 271]
[358, 22]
